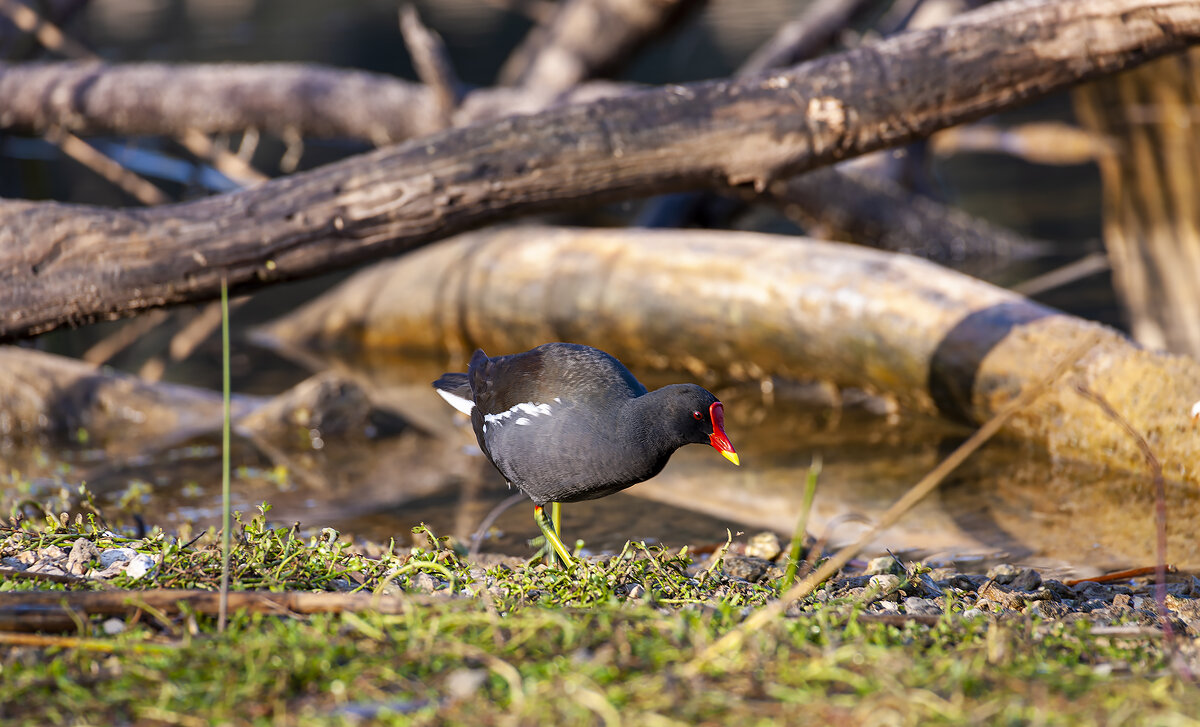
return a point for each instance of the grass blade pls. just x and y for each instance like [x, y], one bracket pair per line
[225, 426]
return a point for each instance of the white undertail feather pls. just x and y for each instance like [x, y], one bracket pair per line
[462, 404]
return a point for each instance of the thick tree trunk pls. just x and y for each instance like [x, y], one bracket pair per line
[760, 306]
[62, 264]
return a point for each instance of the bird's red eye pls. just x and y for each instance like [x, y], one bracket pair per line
[697, 415]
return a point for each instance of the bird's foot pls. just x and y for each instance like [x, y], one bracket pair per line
[552, 539]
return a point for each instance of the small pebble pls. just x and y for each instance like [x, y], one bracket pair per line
[83, 552]
[110, 556]
[765, 546]
[24, 559]
[631, 590]
[1093, 604]
[884, 583]
[942, 573]
[1046, 609]
[463, 683]
[427, 583]
[1003, 573]
[881, 565]
[53, 552]
[140, 566]
[47, 566]
[113, 626]
[922, 606]
[746, 568]
[116, 569]
[1024, 579]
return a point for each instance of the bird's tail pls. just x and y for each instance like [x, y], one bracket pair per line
[456, 390]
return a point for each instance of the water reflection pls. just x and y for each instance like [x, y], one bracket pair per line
[1005, 503]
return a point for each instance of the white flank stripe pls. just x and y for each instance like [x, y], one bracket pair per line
[458, 402]
[529, 408]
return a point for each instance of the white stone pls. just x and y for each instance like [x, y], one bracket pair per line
[112, 555]
[140, 566]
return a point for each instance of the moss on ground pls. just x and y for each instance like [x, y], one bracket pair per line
[515, 643]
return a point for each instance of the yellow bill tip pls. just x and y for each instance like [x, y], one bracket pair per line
[731, 456]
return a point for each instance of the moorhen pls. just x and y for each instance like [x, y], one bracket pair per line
[565, 422]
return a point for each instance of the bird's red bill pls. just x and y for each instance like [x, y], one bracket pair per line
[718, 439]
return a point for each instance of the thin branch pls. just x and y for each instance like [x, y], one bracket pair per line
[811, 32]
[47, 33]
[106, 167]
[1160, 501]
[1088, 265]
[588, 38]
[224, 161]
[539, 11]
[124, 337]
[432, 63]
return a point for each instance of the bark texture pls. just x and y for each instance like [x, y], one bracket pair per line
[761, 306]
[157, 98]
[284, 99]
[62, 264]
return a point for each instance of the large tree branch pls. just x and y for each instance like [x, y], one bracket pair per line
[284, 99]
[161, 99]
[107, 263]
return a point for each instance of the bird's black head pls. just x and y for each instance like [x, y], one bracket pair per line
[700, 417]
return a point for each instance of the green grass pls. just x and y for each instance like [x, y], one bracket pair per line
[548, 647]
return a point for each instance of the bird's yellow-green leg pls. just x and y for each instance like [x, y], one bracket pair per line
[539, 514]
[556, 518]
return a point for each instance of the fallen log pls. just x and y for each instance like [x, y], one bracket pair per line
[66, 264]
[42, 394]
[748, 305]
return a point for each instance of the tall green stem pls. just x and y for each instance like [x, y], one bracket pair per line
[225, 504]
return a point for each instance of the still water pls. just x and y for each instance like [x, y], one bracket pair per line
[1007, 503]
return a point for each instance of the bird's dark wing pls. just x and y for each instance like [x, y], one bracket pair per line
[537, 376]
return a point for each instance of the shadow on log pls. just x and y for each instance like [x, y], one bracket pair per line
[747, 305]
